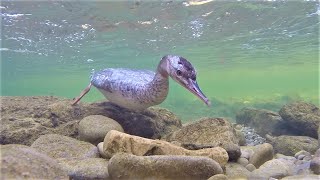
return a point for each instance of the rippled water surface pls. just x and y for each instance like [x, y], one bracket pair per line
[261, 54]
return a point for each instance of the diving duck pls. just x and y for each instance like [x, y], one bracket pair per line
[139, 89]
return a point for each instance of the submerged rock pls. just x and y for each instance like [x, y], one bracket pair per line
[58, 146]
[89, 168]
[209, 132]
[258, 155]
[23, 162]
[302, 177]
[127, 166]
[303, 117]
[236, 171]
[251, 137]
[94, 128]
[116, 142]
[290, 145]
[263, 121]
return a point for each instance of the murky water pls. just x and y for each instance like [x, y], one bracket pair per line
[261, 54]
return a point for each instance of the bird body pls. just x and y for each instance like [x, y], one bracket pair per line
[139, 89]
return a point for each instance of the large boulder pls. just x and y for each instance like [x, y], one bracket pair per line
[152, 123]
[208, 132]
[24, 119]
[117, 142]
[290, 145]
[127, 166]
[94, 128]
[263, 121]
[89, 168]
[23, 162]
[303, 117]
[58, 146]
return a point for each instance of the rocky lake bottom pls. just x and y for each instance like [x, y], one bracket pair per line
[45, 137]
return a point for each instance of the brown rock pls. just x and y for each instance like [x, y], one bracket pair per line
[218, 177]
[89, 168]
[236, 171]
[23, 162]
[303, 117]
[94, 128]
[58, 146]
[127, 166]
[210, 132]
[262, 153]
[116, 142]
[272, 169]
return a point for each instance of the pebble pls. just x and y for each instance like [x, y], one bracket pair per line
[250, 167]
[252, 138]
[243, 161]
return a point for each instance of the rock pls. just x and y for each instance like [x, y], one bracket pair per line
[261, 153]
[302, 155]
[89, 168]
[241, 136]
[22, 122]
[272, 169]
[116, 142]
[127, 166]
[218, 177]
[251, 137]
[315, 165]
[290, 145]
[152, 123]
[317, 153]
[302, 177]
[246, 151]
[281, 156]
[243, 161]
[236, 171]
[303, 117]
[94, 128]
[100, 149]
[58, 146]
[263, 121]
[250, 167]
[23, 162]
[210, 132]
[319, 136]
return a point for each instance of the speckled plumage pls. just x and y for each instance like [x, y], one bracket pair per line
[133, 89]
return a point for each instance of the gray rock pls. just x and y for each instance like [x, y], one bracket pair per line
[89, 168]
[290, 145]
[315, 165]
[218, 177]
[94, 128]
[272, 169]
[263, 121]
[302, 177]
[251, 137]
[317, 153]
[100, 149]
[303, 153]
[208, 132]
[303, 117]
[261, 153]
[251, 167]
[58, 146]
[23, 162]
[236, 171]
[126, 166]
[243, 161]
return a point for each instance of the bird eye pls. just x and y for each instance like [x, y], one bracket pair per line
[179, 72]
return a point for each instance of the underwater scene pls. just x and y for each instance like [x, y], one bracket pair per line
[197, 89]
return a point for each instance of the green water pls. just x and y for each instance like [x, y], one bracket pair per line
[260, 54]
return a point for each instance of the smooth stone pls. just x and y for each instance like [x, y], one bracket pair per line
[23, 162]
[243, 161]
[262, 153]
[281, 156]
[58, 146]
[302, 152]
[272, 169]
[245, 152]
[303, 117]
[94, 128]
[263, 121]
[211, 132]
[251, 167]
[302, 177]
[100, 149]
[236, 171]
[127, 166]
[116, 142]
[218, 177]
[290, 145]
[89, 168]
[315, 165]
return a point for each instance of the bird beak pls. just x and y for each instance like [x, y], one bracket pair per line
[193, 87]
